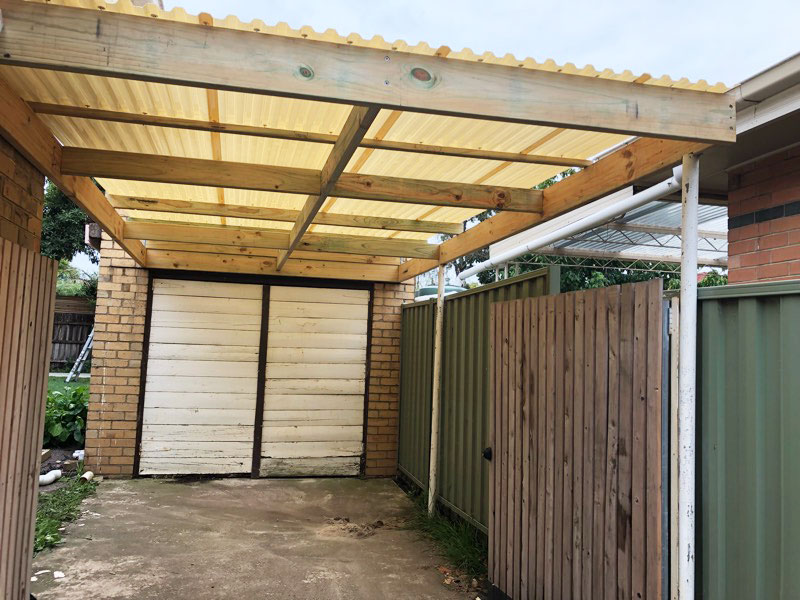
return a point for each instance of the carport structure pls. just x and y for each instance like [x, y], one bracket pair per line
[241, 148]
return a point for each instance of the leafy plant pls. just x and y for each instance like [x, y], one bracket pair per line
[58, 507]
[65, 417]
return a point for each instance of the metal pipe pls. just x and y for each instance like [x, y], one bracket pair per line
[687, 378]
[665, 188]
[436, 397]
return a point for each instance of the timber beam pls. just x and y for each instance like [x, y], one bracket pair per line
[278, 239]
[104, 43]
[262, 265]
[634, 161]
[355, 128]
[98, 114]
[190, 207]
[26, 131]
[212, 173]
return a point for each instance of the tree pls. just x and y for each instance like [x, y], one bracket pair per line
[63, 227]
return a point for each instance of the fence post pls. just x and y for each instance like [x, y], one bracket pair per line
[436, 395]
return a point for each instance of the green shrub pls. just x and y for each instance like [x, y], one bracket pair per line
[65, 417]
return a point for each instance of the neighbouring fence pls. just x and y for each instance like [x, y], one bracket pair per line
[74, 319]
[464, 426]
[576, 475]
[749, 442]
[27, 289]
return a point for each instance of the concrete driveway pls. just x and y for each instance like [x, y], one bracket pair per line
[243, 538]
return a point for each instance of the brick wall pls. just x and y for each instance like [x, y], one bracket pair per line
[21, 199]
[116, 361]
[383, 410]
[764, 219]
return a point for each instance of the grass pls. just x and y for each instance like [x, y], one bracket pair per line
[57, 384]
[59, 507]
[463, 546]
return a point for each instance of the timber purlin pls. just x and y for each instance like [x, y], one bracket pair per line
[595, 530]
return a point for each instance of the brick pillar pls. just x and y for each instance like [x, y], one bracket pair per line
[116, 362]
[764, 219]
[383, 409]
[21, 199]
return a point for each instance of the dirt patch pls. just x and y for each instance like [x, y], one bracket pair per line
[343, 526]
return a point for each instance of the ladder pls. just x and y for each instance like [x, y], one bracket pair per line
[76, 368]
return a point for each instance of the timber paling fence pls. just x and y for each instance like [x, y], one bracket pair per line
[465, 391]
[27, 290]
[575, 490]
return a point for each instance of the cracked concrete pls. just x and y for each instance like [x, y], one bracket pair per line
[243, 538]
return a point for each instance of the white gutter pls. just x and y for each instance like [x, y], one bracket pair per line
[665, 188]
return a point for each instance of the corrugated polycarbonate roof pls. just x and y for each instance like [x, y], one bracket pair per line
[71, 89]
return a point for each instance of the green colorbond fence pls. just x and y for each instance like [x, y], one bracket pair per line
[464, 425]
[749, 442]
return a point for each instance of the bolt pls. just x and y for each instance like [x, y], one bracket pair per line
[386, 82]
[386, 58]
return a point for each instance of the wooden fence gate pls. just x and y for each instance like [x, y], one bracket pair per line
[575, 483]
[27, 290]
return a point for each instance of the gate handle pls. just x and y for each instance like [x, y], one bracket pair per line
[487, 453]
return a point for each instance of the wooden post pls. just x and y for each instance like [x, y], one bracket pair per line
[436, 394]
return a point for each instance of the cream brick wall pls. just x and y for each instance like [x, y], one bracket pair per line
[116, 362]
[383, 408]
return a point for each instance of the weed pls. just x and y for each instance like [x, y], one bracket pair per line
[58, 507]
[463, 546]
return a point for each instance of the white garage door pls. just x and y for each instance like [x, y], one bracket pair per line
[315, 382]
[202, 369]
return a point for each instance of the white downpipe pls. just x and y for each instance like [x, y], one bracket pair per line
[435, 395]
[687, 378]
[665, 188]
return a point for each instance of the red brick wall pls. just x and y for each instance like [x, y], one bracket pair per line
[117, 359]
[116, 362]
[764, 219]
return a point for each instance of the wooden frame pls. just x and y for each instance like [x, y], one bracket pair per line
[261, 381]
[148, 313]
[78, 40]
[353, 131]
[33, 139]
[637, 159]
[190, 207]
[266, 282]
[292, 180]
[81, 112]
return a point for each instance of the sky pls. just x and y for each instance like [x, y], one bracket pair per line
[714, 40]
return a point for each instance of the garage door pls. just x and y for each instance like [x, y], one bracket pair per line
[202, 369]
[315, 382]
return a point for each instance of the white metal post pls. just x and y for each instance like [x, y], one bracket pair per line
[687, 378]
[436, 395]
